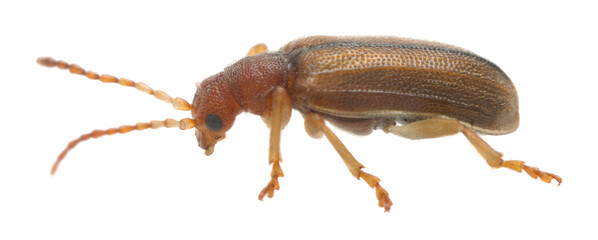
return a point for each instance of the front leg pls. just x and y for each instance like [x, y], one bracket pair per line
[257, 49]
[276, 118]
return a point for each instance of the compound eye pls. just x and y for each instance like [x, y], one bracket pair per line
[213, 122]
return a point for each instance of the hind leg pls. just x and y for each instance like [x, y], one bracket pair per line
[437, 127]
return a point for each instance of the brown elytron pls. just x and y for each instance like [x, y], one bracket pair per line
[356, 83]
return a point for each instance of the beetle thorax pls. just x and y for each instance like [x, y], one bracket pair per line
[252, 79]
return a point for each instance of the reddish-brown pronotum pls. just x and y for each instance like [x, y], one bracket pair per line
[356, 83]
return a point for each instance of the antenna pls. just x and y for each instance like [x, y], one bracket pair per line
[177, 103]
[184, 124]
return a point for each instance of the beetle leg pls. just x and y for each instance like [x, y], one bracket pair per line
[276, 119]
[257, 49]
[438, 127]
[315, 127]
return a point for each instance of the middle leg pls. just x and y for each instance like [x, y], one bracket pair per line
[315, 127]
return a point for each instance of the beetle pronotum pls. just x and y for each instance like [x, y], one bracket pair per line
[356, 83]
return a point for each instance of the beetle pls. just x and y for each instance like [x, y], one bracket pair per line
[411, 88]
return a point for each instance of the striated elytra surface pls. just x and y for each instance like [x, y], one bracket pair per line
[389, 78]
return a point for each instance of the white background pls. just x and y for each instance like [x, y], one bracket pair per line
[157, 184]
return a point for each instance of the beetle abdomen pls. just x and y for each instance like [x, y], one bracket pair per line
[383, 79]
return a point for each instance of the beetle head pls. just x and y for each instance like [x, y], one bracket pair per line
[214, 111]
[243, 86]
